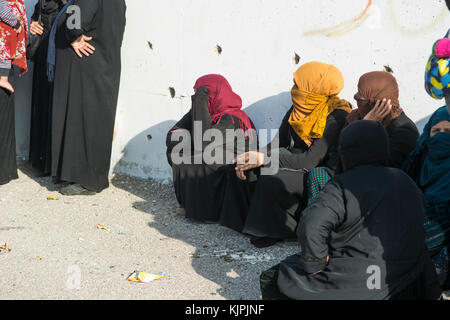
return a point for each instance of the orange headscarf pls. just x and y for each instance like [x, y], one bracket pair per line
[314, 96]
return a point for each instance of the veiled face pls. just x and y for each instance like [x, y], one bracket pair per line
[443, 126]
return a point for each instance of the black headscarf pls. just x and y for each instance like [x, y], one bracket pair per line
[363, 142]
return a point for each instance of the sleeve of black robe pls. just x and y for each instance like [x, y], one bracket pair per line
[318, 220]
[88, 9]
[283, 135]
[184, 124]
[35, 16]
[318, 150]
[403, 135]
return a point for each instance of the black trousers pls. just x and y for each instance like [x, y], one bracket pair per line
[264, 205]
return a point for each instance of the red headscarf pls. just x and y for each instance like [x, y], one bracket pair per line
[222, 100]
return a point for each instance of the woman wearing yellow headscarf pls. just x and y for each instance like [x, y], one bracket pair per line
[267, 207]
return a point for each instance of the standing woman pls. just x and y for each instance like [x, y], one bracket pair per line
[269, 209]
[85, 66]
[13, 47]
[40, 156]
[199, 185]
[8, 166]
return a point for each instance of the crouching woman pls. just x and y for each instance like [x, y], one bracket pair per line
[363, 236]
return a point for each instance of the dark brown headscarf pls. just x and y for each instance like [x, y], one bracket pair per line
[373, 86]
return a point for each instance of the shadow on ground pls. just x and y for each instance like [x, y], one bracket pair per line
[221, 255]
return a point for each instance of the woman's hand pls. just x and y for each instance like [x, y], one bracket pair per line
[381, 109]
[248, 161]
[82, 46]
[36, 28]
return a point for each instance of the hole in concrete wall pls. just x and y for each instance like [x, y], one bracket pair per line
[149, 137]
[150, 45]
[219, 50]
[172, 92]
[296, 58]
[387, 68]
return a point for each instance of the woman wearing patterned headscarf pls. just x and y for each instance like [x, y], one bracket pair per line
[437, 75]
[198, 180]
[268, 206]
[377, 100]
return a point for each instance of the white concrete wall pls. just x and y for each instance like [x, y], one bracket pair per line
[259, 38]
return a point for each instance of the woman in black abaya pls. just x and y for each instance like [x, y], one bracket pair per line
[199, 186]
[269, 208]
[8, 167]
[85, 65]
[41, 103]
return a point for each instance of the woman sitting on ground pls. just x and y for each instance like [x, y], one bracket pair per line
[267, 206]
[199, 180]
[373, 88]
[363, 236]
[377, 100]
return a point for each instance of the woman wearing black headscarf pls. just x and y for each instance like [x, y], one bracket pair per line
[41, 103]
[363, 236]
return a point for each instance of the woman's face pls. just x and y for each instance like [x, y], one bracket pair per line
[443, 126]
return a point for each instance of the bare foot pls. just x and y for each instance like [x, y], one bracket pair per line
[4, 83]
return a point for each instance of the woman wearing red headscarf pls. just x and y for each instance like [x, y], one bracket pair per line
[198, 149]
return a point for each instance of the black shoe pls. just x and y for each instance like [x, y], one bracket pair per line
[76, 190]
[264, 242]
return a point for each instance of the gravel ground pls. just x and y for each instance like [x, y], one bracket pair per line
[57, 251]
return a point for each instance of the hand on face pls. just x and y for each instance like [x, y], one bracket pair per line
[381, 109]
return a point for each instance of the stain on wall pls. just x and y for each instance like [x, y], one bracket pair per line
[344, 27]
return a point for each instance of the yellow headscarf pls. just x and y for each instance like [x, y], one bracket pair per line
[314, 96]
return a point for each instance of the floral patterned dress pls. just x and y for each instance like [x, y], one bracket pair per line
[13, 45]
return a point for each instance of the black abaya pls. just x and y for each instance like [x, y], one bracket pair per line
[86, 94]
[40, 139]
[199, 188]
[8, 166]
[271, 205]
[367, 224]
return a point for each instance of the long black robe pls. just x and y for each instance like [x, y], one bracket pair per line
[40, 138]
[368, 219]
[199, 188]
[8, 166]
[270, 205]
[86, 94]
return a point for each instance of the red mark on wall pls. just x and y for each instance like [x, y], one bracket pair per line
[345, 26]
